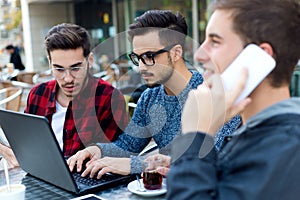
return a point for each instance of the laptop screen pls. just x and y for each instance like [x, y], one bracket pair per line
[35, 147]
[38, 153]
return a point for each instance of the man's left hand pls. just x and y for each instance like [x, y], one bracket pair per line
[99, 167]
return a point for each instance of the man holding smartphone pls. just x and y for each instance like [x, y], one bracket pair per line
[261, 159]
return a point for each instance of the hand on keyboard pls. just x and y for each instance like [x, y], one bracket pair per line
[99, 167]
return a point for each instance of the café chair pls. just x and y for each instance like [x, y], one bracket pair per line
[18, 84]
[11, 98]
[5, 84]
[9, 83]
[26, 77]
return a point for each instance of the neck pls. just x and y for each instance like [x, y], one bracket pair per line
[62, 99]
[178, 81]
[263, 97]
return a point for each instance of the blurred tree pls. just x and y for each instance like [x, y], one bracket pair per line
[14, 16]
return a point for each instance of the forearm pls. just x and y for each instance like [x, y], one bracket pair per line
[112, 150]
[4, 150]
[8, 154]
[192, 174]
[131, 142]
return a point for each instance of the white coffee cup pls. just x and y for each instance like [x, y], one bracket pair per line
[17, 192]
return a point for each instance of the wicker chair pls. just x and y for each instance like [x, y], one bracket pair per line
[11, 98]
[26, 77]
[5, 84]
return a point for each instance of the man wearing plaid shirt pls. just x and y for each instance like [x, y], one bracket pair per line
[81, 109]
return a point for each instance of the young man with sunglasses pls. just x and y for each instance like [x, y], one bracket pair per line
[82, 109]
[158, 39]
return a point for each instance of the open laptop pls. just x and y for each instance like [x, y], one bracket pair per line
[37, 151]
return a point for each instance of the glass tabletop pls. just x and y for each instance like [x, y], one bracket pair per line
[48, 191]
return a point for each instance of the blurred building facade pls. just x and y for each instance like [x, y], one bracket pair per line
[106, 21]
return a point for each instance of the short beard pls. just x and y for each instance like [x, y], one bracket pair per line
[84, 84]
[153, 85]
[167, 77]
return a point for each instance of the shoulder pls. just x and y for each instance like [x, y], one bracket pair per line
[104, 88]
[151, 93]
[41, 97]
[42, 88]
[100, 84]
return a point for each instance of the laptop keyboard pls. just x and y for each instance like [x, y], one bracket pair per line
[93, 181]
[39, 190]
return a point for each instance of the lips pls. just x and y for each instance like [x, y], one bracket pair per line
[70, 88]
[146, 75]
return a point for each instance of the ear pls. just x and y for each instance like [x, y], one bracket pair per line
[178, 51]
[267, 48]
[91, 60]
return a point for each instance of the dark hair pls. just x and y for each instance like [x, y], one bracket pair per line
[9, 47]
[172, 28]
[276, 22]
[67, 36]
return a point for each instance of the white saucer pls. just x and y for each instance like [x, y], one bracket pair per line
[133, 187]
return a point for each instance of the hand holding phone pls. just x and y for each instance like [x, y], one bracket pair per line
[259, 65]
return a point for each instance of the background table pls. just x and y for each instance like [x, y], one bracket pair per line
[5, 75]
[17, 175]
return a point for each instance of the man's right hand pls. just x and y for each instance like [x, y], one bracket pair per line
[90, 153]
[165, 162]
[9, 155]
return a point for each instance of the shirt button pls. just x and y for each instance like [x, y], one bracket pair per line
[228, 139]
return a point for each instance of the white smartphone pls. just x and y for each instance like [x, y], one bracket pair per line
[258, 63]
[89, 197]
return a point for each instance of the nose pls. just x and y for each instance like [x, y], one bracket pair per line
[142, 66]
[68, 76]
[201, 54]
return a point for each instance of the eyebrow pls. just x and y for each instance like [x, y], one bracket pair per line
[74, 65]
[147, 52]
[214, 35]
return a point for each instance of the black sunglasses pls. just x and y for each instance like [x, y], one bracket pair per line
[148, 57]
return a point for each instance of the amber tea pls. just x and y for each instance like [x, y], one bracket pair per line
[152, 180]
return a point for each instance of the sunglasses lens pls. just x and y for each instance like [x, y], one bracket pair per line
[148, 59]
[134, 58]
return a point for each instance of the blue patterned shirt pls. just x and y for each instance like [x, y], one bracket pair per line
[157, 116]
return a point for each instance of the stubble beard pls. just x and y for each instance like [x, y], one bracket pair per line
[84, 83]
[166, 76]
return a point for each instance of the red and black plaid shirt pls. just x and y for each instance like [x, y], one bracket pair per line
[97, 114]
